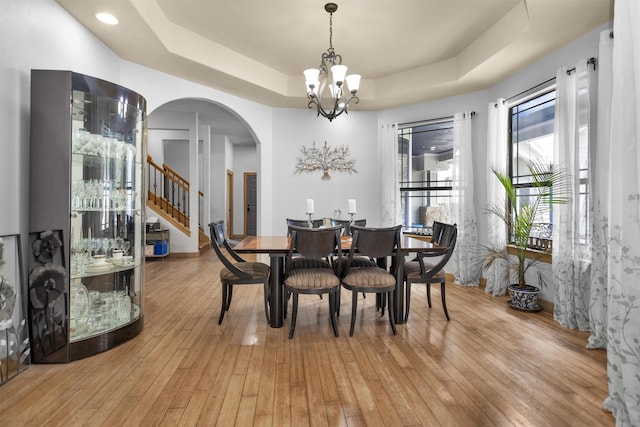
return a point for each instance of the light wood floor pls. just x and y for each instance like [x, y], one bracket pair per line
[489, 366]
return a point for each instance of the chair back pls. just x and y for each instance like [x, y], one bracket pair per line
[346, 231]
[375, 242]
[436, 234]
[305, 223]
[219, 241]
[314, 242]
[448, 239]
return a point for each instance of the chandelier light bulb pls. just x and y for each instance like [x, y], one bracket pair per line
[353, 82]
[339, 72]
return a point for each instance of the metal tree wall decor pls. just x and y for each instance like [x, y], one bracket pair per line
[325, 159]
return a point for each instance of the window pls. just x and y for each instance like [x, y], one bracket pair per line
[531, 139]
[425, 157]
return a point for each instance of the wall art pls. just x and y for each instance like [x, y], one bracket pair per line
[14, 334]
[325, 159]
[47, 295]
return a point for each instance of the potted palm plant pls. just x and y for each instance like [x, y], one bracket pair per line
[550, 187]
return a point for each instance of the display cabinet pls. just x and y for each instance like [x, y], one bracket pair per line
[86, 215]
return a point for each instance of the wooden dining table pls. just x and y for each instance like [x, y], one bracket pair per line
[277, 248]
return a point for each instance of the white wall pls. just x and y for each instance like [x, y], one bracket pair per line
[35, 34]
[294, 128]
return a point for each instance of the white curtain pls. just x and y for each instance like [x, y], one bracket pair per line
[463, 210]
[497, 158]
[571, 228]
[391, 213]
[623, 282]
[599, 194]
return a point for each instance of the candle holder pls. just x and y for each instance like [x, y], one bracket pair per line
[310, 221]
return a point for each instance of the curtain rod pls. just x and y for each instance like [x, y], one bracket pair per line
[590, 61]
[429, 121]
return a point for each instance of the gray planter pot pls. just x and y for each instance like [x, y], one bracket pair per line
[525, 299]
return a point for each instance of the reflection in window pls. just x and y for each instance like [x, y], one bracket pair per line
[532, 136]
[425, 157]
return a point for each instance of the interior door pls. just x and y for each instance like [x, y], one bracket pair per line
[251, 204]
[229, 227]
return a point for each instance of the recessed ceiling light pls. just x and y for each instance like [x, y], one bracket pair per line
[433, 148]
[107, 18]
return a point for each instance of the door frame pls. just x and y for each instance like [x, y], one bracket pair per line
[229, 203]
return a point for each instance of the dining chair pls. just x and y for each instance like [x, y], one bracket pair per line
[236, 270]
[418, 271]
[315, 223]
[347, 224]
[373, 243]
[316, 277]
[436, 231]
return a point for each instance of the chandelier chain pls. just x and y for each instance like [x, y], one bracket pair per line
[331, 31]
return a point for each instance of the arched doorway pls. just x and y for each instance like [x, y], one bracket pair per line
[201, 141]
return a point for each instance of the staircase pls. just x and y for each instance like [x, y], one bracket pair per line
[168, 196]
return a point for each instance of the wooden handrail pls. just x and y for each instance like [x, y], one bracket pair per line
[175, 176]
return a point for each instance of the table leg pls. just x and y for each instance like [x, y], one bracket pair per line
[398, 306]
[399, 296]
[275, 281]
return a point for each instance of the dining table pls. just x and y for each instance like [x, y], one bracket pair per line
[277, 248]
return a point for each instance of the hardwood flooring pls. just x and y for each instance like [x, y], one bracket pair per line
[489, 366]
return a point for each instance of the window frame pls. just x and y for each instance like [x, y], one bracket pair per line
[408, 187]
[544, 243]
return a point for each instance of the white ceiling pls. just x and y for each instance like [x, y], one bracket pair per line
[407, 51]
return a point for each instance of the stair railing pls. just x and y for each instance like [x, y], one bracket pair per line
[169, 191]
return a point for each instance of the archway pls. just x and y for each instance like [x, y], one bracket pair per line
[201, 140]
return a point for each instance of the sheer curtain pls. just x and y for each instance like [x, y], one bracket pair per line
[599, 195]
[463, 210]
[391, 215]
[571, 230]
[623, 293]
[496, 157]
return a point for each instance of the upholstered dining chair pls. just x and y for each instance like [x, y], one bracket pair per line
[236, 270]
[317, 277]
[373, 243]
[357, 261]
[419, 271]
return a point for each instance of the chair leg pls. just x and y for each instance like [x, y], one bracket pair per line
[266, 301]
[407, 300]
[230, 295]
[391, 313]
[294, 315]
[223, 308]
[354, 308]
[285, 303]
[444, 301]
[429, 294]
[383, 303]
[332, 311]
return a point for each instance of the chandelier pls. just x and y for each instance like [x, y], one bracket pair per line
[331, 75]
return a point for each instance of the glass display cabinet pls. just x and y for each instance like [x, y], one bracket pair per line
[86, 215]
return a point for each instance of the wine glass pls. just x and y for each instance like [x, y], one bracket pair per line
[126, 245]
